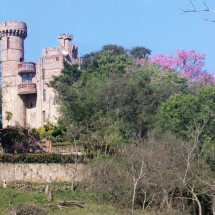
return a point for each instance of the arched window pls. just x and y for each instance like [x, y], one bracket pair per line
[27, 77]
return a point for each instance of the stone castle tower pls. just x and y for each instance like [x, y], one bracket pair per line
[26, 98]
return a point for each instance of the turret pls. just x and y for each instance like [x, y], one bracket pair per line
[65, 41]
[13, 28]
[12, 36]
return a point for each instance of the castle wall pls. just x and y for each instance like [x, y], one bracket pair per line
[52, 66]
[39, 77]
[25, 90]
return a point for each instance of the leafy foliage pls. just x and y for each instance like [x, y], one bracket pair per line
[41, 158]
[117, 50]
[190, 115]
[9, 116]
[113, 101]
[128, 112]
[140, 52]
[18, 140]
[49, 131]
[189, 63]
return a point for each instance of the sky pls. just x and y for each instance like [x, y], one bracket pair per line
[158, 25]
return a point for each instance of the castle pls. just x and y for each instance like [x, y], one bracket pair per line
[26, 98]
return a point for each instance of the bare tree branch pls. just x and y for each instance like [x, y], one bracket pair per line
[206, 8]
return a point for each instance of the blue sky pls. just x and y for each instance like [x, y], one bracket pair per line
[155, 24]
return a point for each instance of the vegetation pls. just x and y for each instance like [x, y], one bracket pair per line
[113, 101]
[30, 203]
[49, 131]
[42, 158]
[61, 143]
[0, 106]
[18, 140]
[146, 123]
[140, 52]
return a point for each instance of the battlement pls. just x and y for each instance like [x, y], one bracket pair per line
[65, 36]
[74, 47]
[13, 28]
[50, 51]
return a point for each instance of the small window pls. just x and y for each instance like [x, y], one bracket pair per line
[8, 42]
[43, 74]
[21, 59]
[57, 58]
[44, 116]
[44, 95]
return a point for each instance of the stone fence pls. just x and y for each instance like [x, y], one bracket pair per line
[69, 149]
[34, 172]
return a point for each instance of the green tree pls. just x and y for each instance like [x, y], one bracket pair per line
[117, 50]
[113, 101]
[140, 52]
[86, 59]
[190, 115]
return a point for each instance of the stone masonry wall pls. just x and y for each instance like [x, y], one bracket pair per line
[69, 149]
[40, 172]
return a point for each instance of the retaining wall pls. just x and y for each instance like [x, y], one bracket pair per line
[33, 172]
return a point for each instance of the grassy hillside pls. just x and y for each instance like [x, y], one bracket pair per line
[13, 200]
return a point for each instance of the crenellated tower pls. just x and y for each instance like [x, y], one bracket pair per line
[12, 36]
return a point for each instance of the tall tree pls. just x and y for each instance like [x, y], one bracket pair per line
[189, 63]
[140, 52]
[114, 100]
[191, 116]
[117, 50]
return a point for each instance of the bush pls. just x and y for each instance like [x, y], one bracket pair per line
[28, 209]
[41, 158]
[49, 131]
[61, 144]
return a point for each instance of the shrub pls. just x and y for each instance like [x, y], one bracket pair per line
[61, 144]
[42, 158]
[28, 209]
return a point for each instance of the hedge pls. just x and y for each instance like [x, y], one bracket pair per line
[62, 144]
[41, 158]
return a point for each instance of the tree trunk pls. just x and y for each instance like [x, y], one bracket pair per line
[197, 201]
[213, 204]
[133, 197]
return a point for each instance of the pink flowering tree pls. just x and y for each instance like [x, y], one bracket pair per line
[189, 63]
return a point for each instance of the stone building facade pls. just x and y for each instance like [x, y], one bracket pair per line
[26, 98]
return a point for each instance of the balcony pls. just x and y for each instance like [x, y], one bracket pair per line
[27, 88]
[26, 67]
